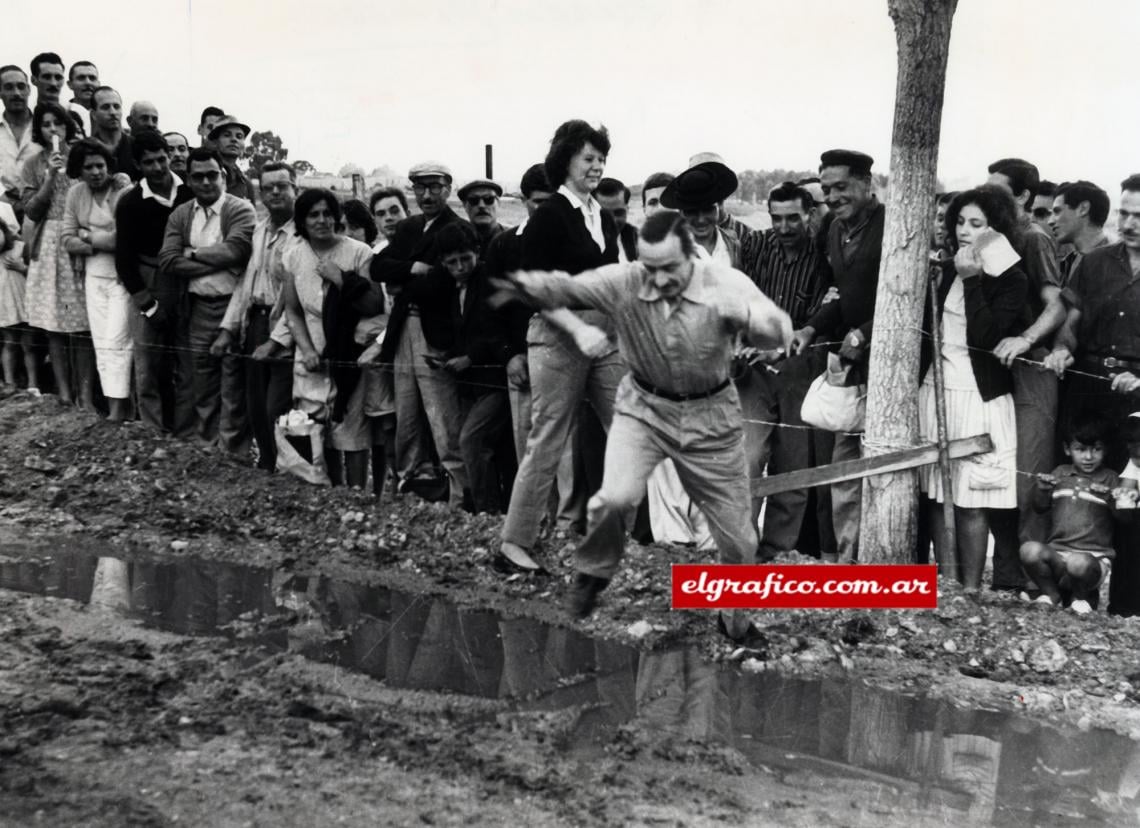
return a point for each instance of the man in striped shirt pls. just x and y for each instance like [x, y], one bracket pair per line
[793, 272]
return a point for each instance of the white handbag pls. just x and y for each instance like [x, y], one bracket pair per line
[832, 405]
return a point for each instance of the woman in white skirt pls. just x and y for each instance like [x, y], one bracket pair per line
[89, 237]
[979, 308]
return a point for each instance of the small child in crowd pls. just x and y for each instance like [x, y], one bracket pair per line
[1082, 497]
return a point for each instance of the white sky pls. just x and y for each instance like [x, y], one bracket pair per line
[766, 84]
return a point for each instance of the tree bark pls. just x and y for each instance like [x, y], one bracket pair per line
[922, 32]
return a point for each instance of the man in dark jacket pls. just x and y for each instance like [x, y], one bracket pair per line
[411, 337]
[854, 248]
[454, 298]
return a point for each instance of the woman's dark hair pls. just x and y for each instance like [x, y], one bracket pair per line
[60, 114]
[567, 142]
[305, 203]
[387, 192]
[357, 214]
[456, 237]
[664, 223]
[998, 206]
[79, 153]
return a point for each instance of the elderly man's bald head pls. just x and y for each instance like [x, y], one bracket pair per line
[143, 115]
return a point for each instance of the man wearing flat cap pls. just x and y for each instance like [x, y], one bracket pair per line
[481, 201]
[414, 345]
[228, 136]
[699, 193]
[854, 248]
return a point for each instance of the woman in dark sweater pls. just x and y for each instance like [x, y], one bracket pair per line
[979, 308]
[569, 356]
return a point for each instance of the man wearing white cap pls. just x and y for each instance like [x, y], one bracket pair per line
[408, 343]
[228, 135]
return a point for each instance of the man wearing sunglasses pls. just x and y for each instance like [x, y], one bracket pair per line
[481, 201]
[409, 340]
[208, 243]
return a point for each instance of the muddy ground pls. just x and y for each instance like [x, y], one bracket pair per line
[105, 722]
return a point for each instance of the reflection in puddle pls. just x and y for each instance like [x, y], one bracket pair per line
[921, 756]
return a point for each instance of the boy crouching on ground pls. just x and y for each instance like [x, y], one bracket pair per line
[1082, 498]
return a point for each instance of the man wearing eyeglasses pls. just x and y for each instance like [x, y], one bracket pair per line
[413, 346]
[481, 201]
[208, 243]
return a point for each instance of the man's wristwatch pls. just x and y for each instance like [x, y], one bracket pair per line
[150, 310]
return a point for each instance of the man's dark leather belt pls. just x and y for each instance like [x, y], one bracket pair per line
[1112, 363]
[674, 396]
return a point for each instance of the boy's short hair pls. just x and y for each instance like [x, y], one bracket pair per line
[1088, 428]
[1129, 430]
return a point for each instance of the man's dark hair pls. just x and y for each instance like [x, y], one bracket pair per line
[357, 214]
[811, 179]
[658, 179]
[179, 134]
[277, 166]
[210, 111]
[95, 92]
[11, 67]
[664, 223]
[77, 157]
[45, 57]
[1088, 427]
[1075, 192]
[387, 192]
[1021, 174]
[534, 179]
[309, 199]
[567, 142]
[1131, 184]
[792, 192]
[61, 114]
[612, 187]
[1045, 187]
[204, 154]
[148, 140]
[71, 71]
[456, 237]
[996, 204]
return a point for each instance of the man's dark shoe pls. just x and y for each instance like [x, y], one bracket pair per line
[584, 594]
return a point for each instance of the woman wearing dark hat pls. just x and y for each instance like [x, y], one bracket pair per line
[568, 357]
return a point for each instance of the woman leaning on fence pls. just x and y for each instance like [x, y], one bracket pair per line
[981, 296]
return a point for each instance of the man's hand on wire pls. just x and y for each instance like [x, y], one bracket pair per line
[1059, 360]
[1011, 348]
[1125, 383]
[518, 372]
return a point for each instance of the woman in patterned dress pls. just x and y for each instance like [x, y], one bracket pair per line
[55, 301]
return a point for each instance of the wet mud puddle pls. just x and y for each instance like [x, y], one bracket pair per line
[957, 765]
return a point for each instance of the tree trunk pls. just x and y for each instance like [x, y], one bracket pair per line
[922, 32]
